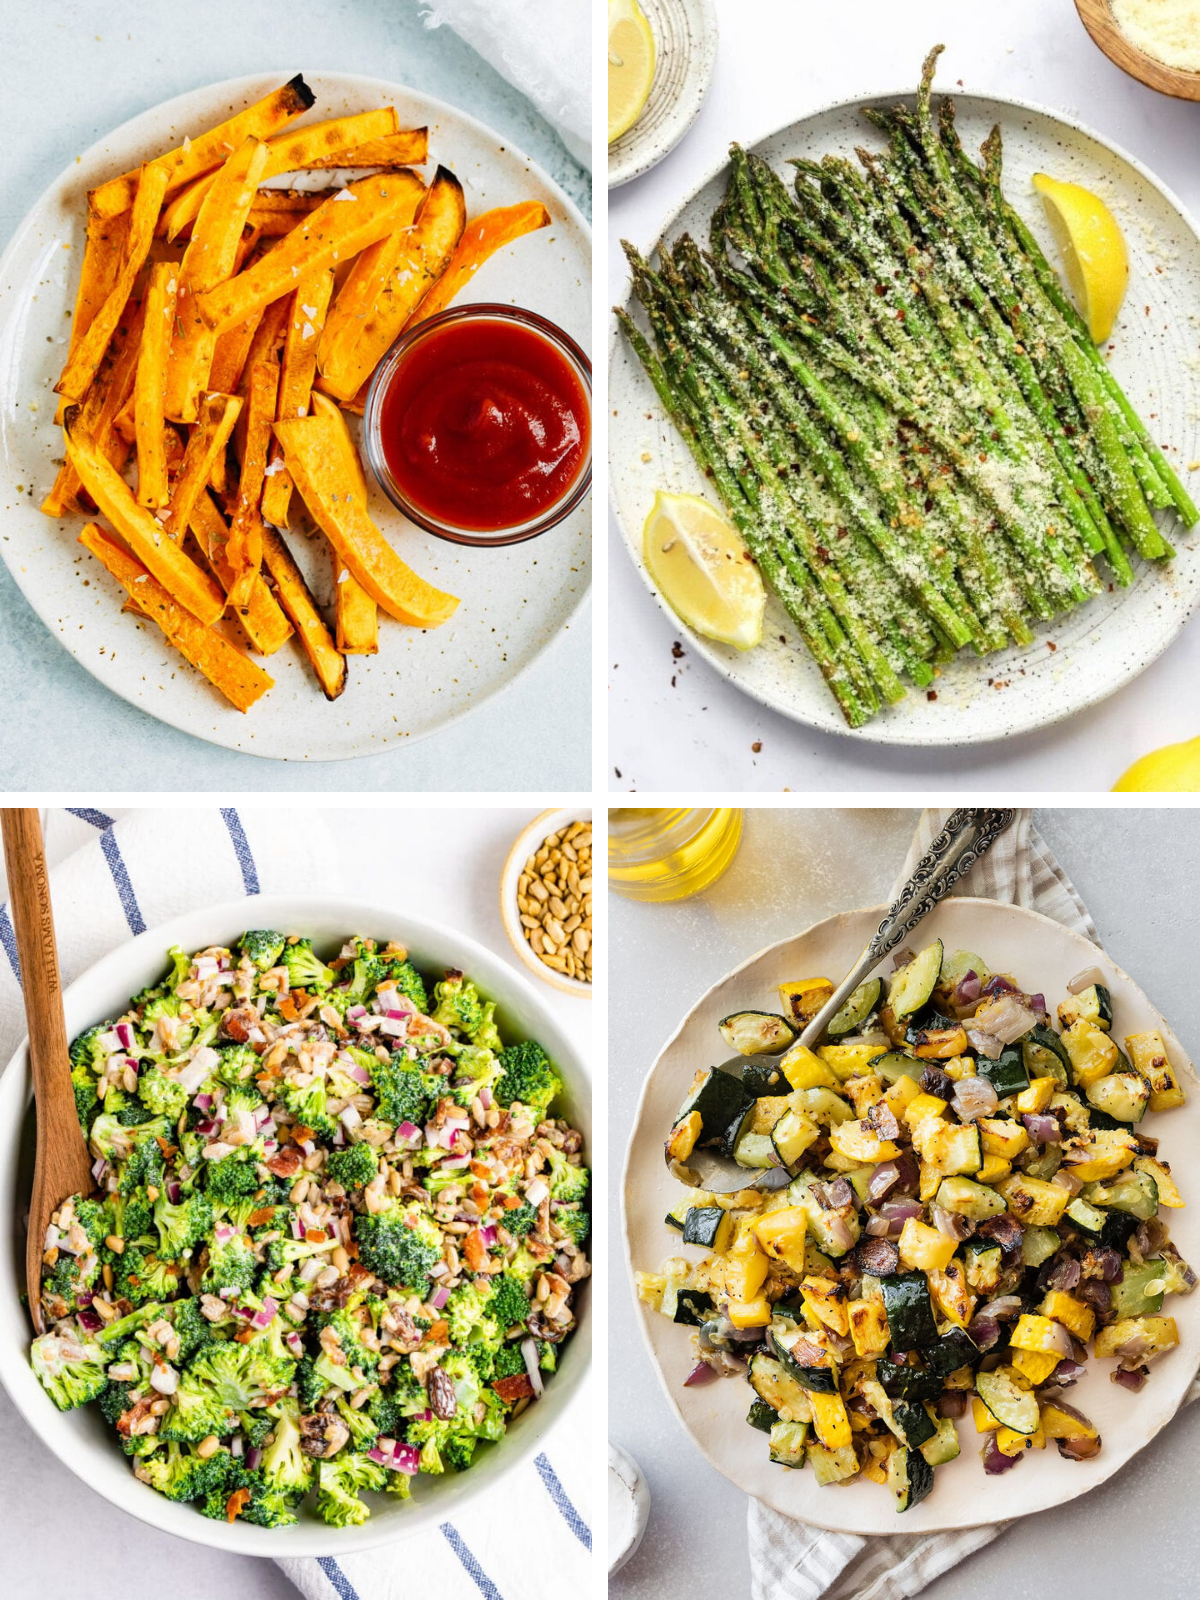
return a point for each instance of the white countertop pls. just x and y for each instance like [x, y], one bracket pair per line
[74, 71]
[677, 724]
[59, 1537]
[1136, 871]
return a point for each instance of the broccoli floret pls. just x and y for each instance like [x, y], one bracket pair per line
[263, 947]
[364, 975]
[339, 1483]
[133, 1218]
[180, 1474]
[508, 1304]
[399, 1254]
[162, 1096]
[243, 1097]
[63, 1283]
[574, 1222]
[181, 1227]
[310, 1385]
[231, 1265]
[402, 975]
[349, 1337]
[281, 1253]
[384, 1410]
[459, 1004]
[86, 1050]
[465, 1310]
[232, 1178]
[529, 1076]
[284, 1464]
[83, 1081]
[307, 1107]
[247, 1494]
[444, 1445]
[403, 1093]
[69, 1367]
[196, 1410]
[145, 1161]
[192, 1327]
[116, 1332]
[114, 1401]
[475, 1070]
[363, 1429]
[141, 1276]
[256, 1425]
[509, 1362]
[110, 1138]
[568, 1183]
[94, 1217]
[241, 1375]
[547, 1355]
[305, 968]
[352, 1167]
[237, 1064]
[520, 1221]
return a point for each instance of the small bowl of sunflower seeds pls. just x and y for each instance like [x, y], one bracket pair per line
[546, 899]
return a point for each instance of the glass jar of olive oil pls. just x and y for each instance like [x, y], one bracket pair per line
[671, 853]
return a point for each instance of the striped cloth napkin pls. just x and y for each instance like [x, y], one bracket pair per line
[113, 874]
[789, 1560]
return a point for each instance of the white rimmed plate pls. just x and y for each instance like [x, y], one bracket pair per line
[1099, 647]
[81, 1439]
[515, 601]
[685, 40]
[1042, 956]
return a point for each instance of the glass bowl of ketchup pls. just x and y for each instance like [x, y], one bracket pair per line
[478, 424]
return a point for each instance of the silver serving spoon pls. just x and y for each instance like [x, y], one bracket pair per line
[968, 835]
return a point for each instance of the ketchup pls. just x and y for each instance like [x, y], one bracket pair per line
[484, 424]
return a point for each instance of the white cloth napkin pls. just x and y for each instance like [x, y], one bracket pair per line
[542, 47]
[789, 1560]
[113, 874]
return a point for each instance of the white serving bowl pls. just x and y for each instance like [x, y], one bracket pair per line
[81, 1439]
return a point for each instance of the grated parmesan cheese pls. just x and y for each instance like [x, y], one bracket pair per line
[1168, 30]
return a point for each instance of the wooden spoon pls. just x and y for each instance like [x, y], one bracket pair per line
[63, 1166]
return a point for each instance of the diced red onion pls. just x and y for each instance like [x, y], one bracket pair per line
[222, 1233]
[951, 1223]
[376, 1454]
[398, 1013]
[265, 1317]
[1130, 1378]
[1067, 1180]
[454, 1163]
[882, 1181]
[359, 1074]
[236, 1446]
[1037, 1002]
[986, 1044]
[110, 1042]
[974, 1097]
[1005, 1305]
[391, 1028]
[901, 959]
[253, 1457]
[879, 1227]
[1081, 1448]
[408, 1130]
[247, 1313]
[998, 985]
[1064, 1273]
[994, 1459]
[968, 989]
[294, 1343]
[205, 1128]
[100, 1169]
[439, 1269]
[1066, 1373]
[1085, 979]
[440, 1298]
[192, 1075]
[353, 1014]
[1043, 1127]
[952, 1403]
[227, 1294]
[485, 1098]
[1007, 1018]
[124, 1033]
[700, 1373]
[89, 1319]
[488, 1235]
[85, 1297]
[985, 1331]
[530, 1354]
[406, 1458]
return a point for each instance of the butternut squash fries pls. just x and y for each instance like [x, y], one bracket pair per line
[223, 330]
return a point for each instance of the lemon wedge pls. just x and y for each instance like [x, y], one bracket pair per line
[703, 571]
[1176, 767]
[631, 61]
[1093, 250]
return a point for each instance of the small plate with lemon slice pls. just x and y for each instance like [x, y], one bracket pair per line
[1114, 221]
[661, 55]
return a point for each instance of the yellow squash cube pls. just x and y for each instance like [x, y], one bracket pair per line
[1093, 1054]
[1035, 1333]
[1099, 1153]
[1036, 1365]
[993, 1169]
[830, 1422]
[1075, 1315]
[899, 1096]
[959, 1067]
[1168, 1194]
[1149, 1056]
[1160, 1333]
[923, 1248]
[864, 1092]
[949, 1292]
[931, 1181]
[1013, 1444]
[826, 1299]
[781, 1235]
[746, 1266]
[984, 1421]
[1034, 1200]
[802, 1000]
[860, 1142]
[868, 1328]
[803, 1069]
[850, 1060]
[1000, 1137]
[750, 1313]
[1057, 1424]
[1037, 1096]
[924, 1105]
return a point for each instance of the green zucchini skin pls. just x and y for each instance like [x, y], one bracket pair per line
[762, 1416]
[907, 1383]
[953, 1350]
[896, 1064]
[910, 1478]
[709, 1226]
[761, 1078]
[909, 1310]
[693, 1308]
[817, 1380]
[740, 1125]
[1006, 1072]
[1012, 1407]
[718, 1097]
[756, 1033]
[914, 1422]
[1044, 1056]
[856, 1010]
[912, 985]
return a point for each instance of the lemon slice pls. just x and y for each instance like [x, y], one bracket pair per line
[703, 571]
[1093, 250]
[1176, 767]
[631, 59]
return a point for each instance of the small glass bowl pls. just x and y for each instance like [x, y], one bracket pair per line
[373, 442]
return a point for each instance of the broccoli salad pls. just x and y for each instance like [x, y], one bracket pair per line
[335, 1235]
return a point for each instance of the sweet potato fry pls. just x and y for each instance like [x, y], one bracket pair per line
[207, 262]
[368, 315]
[103, 404]
[206, 442]
[481, 238]
[84, 360]
[263, 623]
[408, 148]
[356, 616]
[353, 219]
[226, 668]
[305, 321]
[317, 464]
[142, 532]
[209, 150]
[293, 595]
[150, 387]
[245, 534]
[102, 253]
[291, 152]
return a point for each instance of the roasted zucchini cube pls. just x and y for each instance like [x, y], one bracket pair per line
[802, 1000]
[788, 1443]
[1093, 1005]
[709, 1226]
[1034, 1200]
[1093, 1054]
[1149, 1056]
[913, 984]
[756, 1033]
[1155, 1333]
[1123, 1095]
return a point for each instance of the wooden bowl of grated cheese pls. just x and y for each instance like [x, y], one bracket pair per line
[1155, 41]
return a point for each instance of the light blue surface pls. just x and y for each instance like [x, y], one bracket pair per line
[73, 70]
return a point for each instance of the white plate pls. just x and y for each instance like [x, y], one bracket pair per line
[1099, 647]
[1043, 957]
[515, 601]
[685, 39]
[81, 1439]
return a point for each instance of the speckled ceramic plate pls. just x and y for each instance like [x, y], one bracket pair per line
[515, 601]
[1042, 956]
[685, 37]
[1081, 659]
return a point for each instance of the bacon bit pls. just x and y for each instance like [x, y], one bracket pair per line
[257, 1218]
[285, 1163]
[287, 1009]
[478, 1170]
[510, 1202]
[517, 1388]
[475, 1249]
[240, 1499]
[439, 1332]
